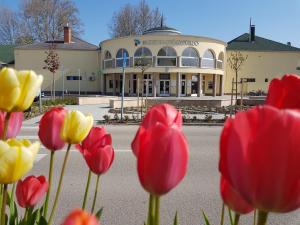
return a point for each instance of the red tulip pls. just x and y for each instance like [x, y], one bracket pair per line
[284, 93]
[50, 128]
[80, 217]
[97, 150]
[260, 155]
[31, 190]
[233, 199]
[14, 124]
[162, 113]
[162, 150]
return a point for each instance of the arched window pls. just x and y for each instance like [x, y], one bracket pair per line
[108, 62]
[220, 64]
[142, 56]
[119, 57]
[208, 59]
[190, 57]
[167, 57]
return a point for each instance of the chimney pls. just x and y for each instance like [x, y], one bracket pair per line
[67, 34]
[252, 33]
[289, 43]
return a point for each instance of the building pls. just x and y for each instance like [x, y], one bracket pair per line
[79, 64]
[266, 59]
[176, 64]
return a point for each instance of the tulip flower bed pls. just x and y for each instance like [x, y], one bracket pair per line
[259, 156]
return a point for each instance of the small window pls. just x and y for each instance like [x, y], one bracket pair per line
[250, 80]
[117, 82]
[183, 76]
[266, 80]
[111, 84]
[134, 76]
[164, 76]
[74, 77]
[210, 85]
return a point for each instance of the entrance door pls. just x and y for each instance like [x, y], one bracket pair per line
[164, 88]
[183, 85]
[195, 85]
[147, 85]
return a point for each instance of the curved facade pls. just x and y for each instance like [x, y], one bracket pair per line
[162, 62]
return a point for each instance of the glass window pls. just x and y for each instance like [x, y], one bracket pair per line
[164, 76]
[167, 57]
[142, 52]
[190, 57]
[190, 52]
[266, 79]
[119, 57]
[142, 57]
[210, 85]
[107, 55]
[220, 61]
[111, 84]
[208, 60]
[74, 77]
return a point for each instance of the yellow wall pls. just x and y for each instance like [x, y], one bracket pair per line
[70, 60]
[261, 66]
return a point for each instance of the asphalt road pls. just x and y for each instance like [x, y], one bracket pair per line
[124, 200]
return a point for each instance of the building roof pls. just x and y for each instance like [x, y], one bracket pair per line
[76, 44]
[7, 54]
[242, 43]
[164, 29]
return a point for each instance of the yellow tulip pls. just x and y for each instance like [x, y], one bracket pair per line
[18, 89]
[76, 127]
[16, 159]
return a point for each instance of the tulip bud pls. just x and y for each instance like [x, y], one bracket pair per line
[16, 159]
[80, 217]
[18, 89]
[76, 127]
[97, 150]
[50, 128]
[14, 124]
[31, 190]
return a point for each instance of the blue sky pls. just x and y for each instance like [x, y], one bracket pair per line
[222, 19]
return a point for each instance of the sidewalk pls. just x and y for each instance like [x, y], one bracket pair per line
[98, 111]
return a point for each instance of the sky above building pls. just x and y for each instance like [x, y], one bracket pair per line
[274, 19]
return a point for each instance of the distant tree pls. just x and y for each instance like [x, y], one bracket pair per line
[235, 62]
[9, 26]
[52, 64]
[134, 19]
[38, 21]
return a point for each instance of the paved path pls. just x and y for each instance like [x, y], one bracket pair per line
[124, 200]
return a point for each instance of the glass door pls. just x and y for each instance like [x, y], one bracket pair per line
[164, 88]
[183, 85]
[147, 85]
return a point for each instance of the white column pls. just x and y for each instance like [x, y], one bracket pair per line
[199, 84]
[178, 84]
[214, 85]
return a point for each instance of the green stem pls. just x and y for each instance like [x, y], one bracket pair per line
[151, 210]
[236, 219]
[59, 185]
[95, 195]
[254, 216]
[222, 214]
[6, 121]
[3, 204]
[262, 217]
[157, 203]
[26, 214]
[50, 183]
[86, 189]
[230, 216]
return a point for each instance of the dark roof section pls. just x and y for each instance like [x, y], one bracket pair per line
[162, 29]
[76, 44]
[7, 54]
[242, 43]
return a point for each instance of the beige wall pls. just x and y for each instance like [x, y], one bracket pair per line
[71, 61]
[261, 66]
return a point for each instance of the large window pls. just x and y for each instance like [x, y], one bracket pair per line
[208, 59]
[190, 58]
[142, 57]
[108, 61]
[167, 57]
[220, 64]
[119, 57]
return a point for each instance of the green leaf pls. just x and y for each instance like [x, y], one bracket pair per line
[175, 219]
[205, 218]
[230, 216]
[42, 221]
[99, 213]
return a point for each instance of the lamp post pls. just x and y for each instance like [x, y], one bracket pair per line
[123, 85]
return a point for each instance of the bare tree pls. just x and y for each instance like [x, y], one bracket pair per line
[52, 64]
[235, 62]
[38, 21]
[134, 19]
[9, 26]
